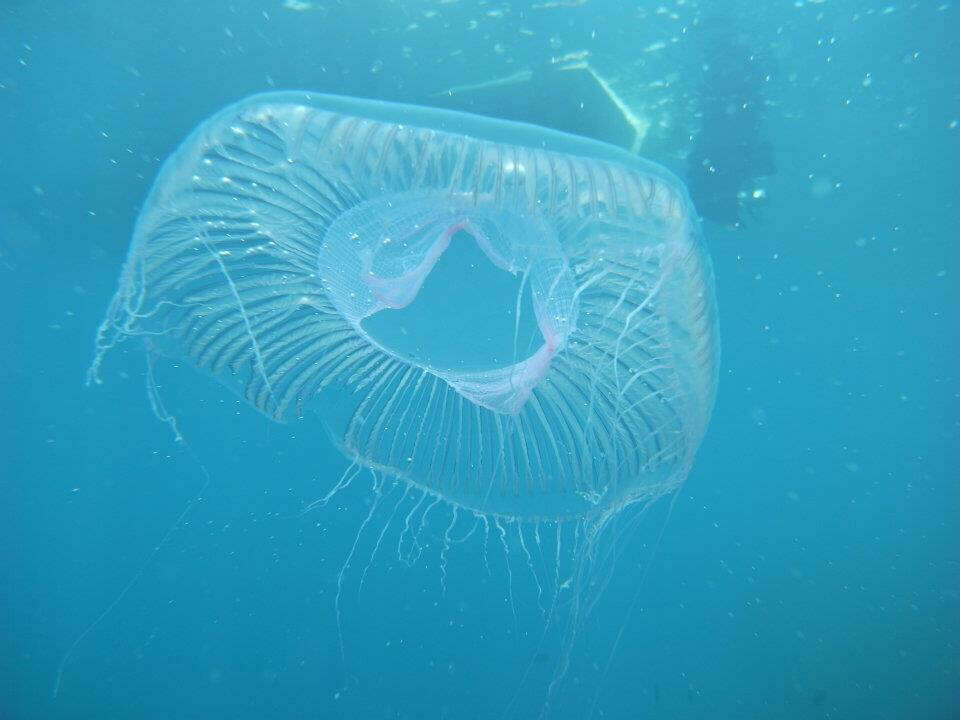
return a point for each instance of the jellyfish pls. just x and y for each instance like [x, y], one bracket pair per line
[290, 249]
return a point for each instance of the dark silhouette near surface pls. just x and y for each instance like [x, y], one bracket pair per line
[730, 152]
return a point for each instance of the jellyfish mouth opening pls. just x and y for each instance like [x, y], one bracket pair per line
[479, 297]
[465, 314]
[464, 317]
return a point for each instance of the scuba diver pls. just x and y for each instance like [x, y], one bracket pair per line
[730, 152]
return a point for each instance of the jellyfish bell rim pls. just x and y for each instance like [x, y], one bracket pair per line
[480, 127]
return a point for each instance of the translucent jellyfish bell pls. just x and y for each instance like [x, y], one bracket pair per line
[286, 236]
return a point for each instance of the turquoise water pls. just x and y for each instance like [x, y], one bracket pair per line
[807, 568]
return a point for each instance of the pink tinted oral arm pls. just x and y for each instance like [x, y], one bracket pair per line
[399, 291]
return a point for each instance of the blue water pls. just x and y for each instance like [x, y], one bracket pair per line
[808, 566]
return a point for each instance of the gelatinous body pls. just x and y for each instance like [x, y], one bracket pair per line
[286, 233]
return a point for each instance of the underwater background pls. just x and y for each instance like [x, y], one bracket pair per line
[808, 568]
